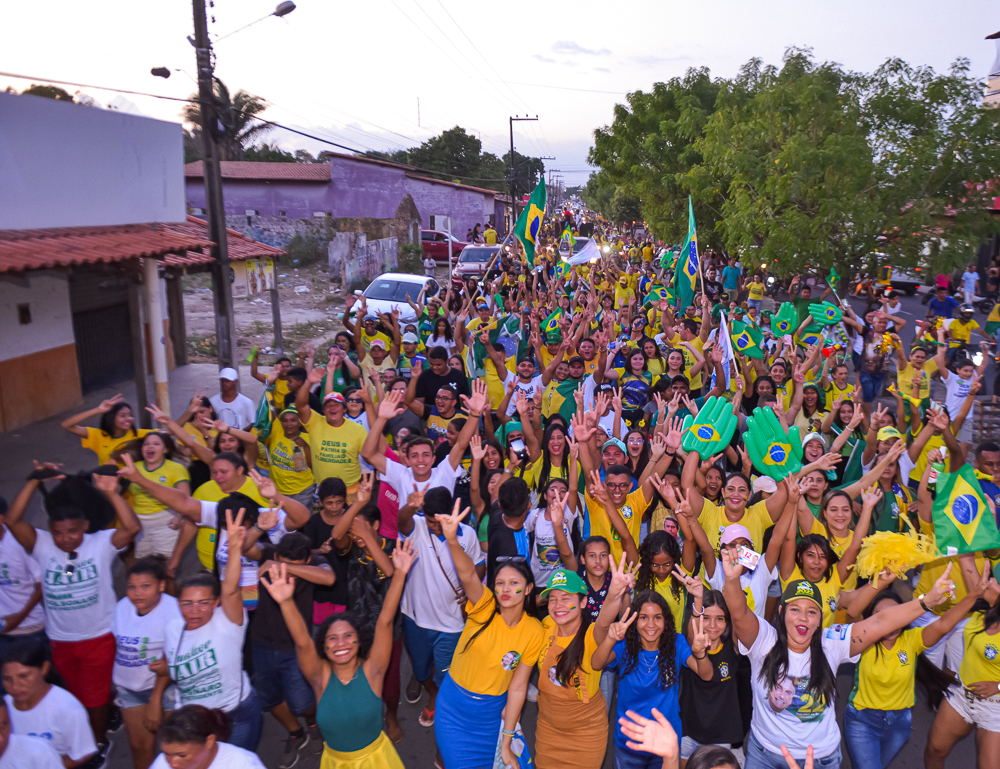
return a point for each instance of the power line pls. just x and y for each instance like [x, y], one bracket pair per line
[96, 87]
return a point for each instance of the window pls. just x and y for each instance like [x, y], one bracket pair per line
[425, 235]
[251, 212]
[478, 255]
[381, 289]
[24, 314]
[282, 214]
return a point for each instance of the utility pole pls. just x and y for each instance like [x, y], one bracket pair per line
[215, 211]
[513, 202]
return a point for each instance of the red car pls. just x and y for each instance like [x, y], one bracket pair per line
[435, 245]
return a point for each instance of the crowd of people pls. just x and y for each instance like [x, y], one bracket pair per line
[501, 483]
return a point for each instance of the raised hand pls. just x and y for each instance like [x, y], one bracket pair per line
[617, 629]
[106, 483]
[110, 403]
[157, 413]
[657, 445]
[415, 498]
[449, 523]
[699, 638]
[651, 736]
[235, 532]
[130, 472]
[694, 585]
[403, 555]
[268, 517]
[829, 461]
[730, 566]
[477, 448]
[316, 376]
[773, 451]
[944, 588]
[364, 494]
[391, 405]
[479, 400]
[265, 485]
[712, 430]
[279, 583]
[871, 496]
[597, 490]
[675, 434]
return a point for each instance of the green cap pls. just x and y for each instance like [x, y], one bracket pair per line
[553, 337]
[566, 580]
[801, 588]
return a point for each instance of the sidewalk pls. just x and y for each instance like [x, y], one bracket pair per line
[46, 441]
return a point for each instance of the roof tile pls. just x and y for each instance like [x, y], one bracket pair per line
[263, 171]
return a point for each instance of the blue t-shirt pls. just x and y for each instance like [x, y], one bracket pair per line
[731, 277]
[942, 307]
[991, 490]
[640, 690]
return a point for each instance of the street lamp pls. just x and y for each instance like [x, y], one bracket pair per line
[283, 9]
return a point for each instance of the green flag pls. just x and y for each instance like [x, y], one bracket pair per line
[746, 338]
[963, 521]
[833, 279]
[530, 222]
[993, 320]
[686, 272]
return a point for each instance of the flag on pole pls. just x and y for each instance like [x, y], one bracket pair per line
[747, 339]
[686, 274]
[726, 343]
[833, 280]
[963, 522]
[530, 222]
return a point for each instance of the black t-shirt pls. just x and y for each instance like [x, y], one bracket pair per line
[712, 287]
[711, 708]
[268, 626]
[314, 402]
[366, 583]
[429, 383]
[319, 532]
[595, 598]
[504, 542]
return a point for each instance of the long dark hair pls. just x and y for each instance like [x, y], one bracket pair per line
[666, 652]
[570, 660]
[643, 459]
[655, 544]
[448, 333]
[886, 595]
[715, 598]
[991, 615]
[543, 475]
[823, 544]
[822, 679]
[522, 568]
[107, 423]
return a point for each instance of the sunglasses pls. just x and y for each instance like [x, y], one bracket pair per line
[355, 400]
[70, 568]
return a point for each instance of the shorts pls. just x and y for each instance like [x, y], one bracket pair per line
[950, 649]
[984, 714]
[130, 698]
[306, 497]
[278, 678]
[965, 431]
[758, 303]
[871, 384]
[156, 537]
[689, 745]
[430, 650]
[86, 666]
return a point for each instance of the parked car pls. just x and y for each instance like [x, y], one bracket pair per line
[388, 292]
[435, 245]
[906, 281]
[475, 259]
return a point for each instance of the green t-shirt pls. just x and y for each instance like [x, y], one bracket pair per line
[802, 307]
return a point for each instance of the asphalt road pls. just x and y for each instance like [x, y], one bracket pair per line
[417, 748]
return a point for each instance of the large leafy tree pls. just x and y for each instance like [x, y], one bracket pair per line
[452, 153]
[237, 114]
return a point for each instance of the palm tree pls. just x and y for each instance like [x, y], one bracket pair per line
[237, 115]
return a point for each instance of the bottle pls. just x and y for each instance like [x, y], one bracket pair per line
[937, 467]
[298, 459]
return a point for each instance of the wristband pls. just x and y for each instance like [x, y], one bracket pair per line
[697, 657]
[507, 732]
[920, 600]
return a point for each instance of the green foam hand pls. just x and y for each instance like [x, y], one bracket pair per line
[786, 320]
[826, 314]
[773, 451]
[711, 432]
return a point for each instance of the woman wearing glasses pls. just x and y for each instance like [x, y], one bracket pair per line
[77, 588]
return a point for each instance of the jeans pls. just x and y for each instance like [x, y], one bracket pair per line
[277, 678]
[430, 650]
[626, 759]
[6, 641]
[874, 737]
[871, 385]
[758, 303]
[247, 722]
[609, 685]
[759, 757]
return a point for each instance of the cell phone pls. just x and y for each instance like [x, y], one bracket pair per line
[519, 449]
[747, 557]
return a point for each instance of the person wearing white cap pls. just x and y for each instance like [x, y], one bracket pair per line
[378, 357]
[232, 406]
[411, 356]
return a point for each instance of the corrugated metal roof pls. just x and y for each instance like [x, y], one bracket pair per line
[263, 171]
[41, 249]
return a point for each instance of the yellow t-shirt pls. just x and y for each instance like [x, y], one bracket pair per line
[212, 492]
[833, 392]
[756, 291]
[656, 367]
[756, 518]
[488, 664]
[104, 445]
[884, 678]
[805, 424]
[689, 360]
[828, 588]
[335, 450]
[631, 512]
[647, 253]
[490, 236]
[493, 384]
[372, 369]
[982, 660]
[961, 332]
[676, 603]
[282, 452]
[934, 442]
[590, 366]
[278, 393]
[591, 679]
[931, 572]
[366, 341]
[170, 474]
[905, 377]
[532, 473]
[199, 438]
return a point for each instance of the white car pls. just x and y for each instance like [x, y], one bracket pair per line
[388, 292]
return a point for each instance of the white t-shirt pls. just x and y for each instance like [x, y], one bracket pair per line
[228, 757]
[362, 419]
[956, 392]
[754, 583]
[799, 723]
[545, 555]
[528, 389]
[969, 281]
[402, 480]
[429, 595]
[207, 663]
[19, 573]
[248, 568]
[139, 640]
[23, 751]
[435, 341]
[58, 718]
[239, 413]
[78, 606]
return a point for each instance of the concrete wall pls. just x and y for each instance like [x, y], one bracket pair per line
[46, 295]
[357, 189]
[68, 165]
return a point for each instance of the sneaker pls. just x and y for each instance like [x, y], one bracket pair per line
[293, 746]
[532, 693]
[426, 717]
[315, 739]
[100, 759]
[413, 691]
[115, 721]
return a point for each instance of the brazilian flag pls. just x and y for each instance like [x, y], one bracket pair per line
[746, 339]
[812, 334]
[551, 324]
[505, 332]
[530, 222]
[686, 274]
[658, 292]
[963, 522]
[558, 398]
[993, 320]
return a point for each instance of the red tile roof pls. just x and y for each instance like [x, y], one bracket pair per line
[41, 249]
[240, 246]
[263, 171]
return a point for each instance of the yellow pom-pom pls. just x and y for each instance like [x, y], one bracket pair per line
[896, 552]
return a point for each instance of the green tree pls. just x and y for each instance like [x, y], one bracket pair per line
[624, 210]
[268, 153]
[238, 115]
[527, 172]
[47, 91]
[454, 153]
[399, 156]
[597, 194]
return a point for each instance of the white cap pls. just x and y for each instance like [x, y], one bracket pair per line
[229, 374]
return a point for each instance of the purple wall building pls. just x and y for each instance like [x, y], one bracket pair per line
[348, 186]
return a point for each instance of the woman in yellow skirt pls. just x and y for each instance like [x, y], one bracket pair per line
[346, 671]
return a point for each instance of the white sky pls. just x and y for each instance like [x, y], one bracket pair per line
[352, 72]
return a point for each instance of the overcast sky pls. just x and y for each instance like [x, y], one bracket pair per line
[352, 73]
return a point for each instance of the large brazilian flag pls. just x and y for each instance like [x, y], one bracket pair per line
[963, 522]
[530, 222]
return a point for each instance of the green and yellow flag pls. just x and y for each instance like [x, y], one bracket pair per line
[746, 339]
[963, 521]
[530, 222]
[993, 320]
[686, 272]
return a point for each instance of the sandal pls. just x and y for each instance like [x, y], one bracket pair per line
[426, 717]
